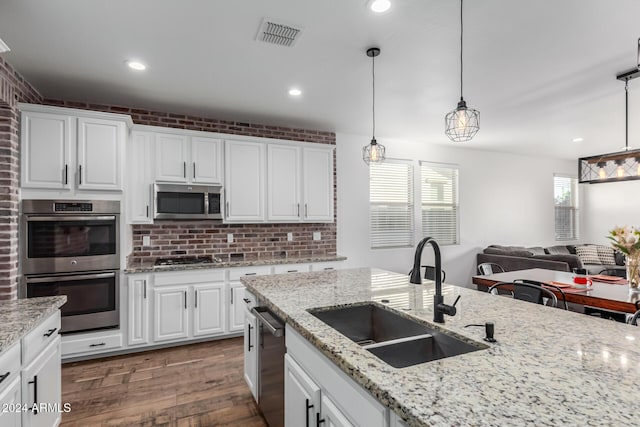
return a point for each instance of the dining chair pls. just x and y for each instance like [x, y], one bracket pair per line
[487, 268]
[525, 292]
[430, 273]
[549, 285]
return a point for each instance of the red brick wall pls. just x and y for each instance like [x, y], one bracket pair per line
[251, 241]
[13, 89]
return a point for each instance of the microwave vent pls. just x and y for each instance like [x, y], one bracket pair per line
[278, 33]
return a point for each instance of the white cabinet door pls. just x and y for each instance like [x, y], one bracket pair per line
[100, 145]
[244, 180]
[171, 319]
[283, 183]
[138, 310]
[209, 312]
[46, 151]
[139, 172]
[206, 160]
[331, 415]
[251, 353]
[236, 311]
[317, 167]
[41, 385]
[9, 400]
[301, 396]
[171, 157]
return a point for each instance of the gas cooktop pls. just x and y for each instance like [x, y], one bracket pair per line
[186, 260]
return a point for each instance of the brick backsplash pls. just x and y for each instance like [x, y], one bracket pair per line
[13, 89]
[251, 241]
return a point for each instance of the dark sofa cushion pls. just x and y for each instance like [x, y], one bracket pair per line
[572, 260]
[506, 250]
[558, 250]
[537, 250]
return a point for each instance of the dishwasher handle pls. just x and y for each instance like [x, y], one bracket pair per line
[272, 323]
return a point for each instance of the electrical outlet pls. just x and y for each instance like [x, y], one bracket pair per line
[317, 235]
[229, 238]
[290, 237]
[146, 241]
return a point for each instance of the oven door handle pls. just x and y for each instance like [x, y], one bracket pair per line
[71, 218]
[51, 279]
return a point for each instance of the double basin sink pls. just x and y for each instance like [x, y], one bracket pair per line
[393, 338]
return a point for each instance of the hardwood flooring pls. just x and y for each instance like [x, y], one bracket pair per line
[197, 385]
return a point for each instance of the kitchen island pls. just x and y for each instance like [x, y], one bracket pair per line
[548, 367]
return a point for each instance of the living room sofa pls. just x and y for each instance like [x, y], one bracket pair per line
[560, 257]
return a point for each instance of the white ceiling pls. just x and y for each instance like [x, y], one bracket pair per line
[541, 72]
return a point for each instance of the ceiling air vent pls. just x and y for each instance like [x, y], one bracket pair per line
[278, 33]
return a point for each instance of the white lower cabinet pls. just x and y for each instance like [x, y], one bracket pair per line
[251, 352]
[311, 379]
[138, 294]
[301, 395]
[171, 320]
[10, 398]
[208, 309]
[41, 388]
[236, 311]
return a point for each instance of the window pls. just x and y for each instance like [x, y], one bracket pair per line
[565, 194]
[439, 194]
[391, 204]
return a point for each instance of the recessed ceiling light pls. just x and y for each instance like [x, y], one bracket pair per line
[379, 6]
[136, 65]
[295, 92]
[579, 139]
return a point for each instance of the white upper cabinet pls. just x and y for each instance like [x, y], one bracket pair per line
[171, 157]
[181, 157]
[139, 173]
[100, 145]
[283, 183]
[317, 169]
[244, 181]
[46, 146]
[67, 149]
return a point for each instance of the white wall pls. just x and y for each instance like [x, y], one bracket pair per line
[504, 199]
[607, 205]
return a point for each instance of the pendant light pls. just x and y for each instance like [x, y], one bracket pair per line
[463, 123]
[373, 152]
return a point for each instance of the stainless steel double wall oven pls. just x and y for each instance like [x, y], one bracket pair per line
[72, 248]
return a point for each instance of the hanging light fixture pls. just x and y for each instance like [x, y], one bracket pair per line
[620, 166]
[373, 152]
[463, 123]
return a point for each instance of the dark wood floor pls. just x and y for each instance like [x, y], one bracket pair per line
[197, 385]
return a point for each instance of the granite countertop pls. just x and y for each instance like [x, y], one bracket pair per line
[150, 267]
[549, 367]
[18, 317]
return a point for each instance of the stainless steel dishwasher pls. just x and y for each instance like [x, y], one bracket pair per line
[271, 350]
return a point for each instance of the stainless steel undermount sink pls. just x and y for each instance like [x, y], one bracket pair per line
[395, 339]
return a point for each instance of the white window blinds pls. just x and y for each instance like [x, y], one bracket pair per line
[565, 194]
[391, 204]
[439, 194]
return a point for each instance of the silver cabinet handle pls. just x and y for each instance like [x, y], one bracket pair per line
[194, 170]
[66, 174]
[196, 302]
[231, 296]
[80, 175]
[298, 210]
[185, 300]
[227, 215]
[144, 289]
[306, 211]
[184, 169]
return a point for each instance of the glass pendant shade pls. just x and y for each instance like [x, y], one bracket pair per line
[463, 123]
[373, 153]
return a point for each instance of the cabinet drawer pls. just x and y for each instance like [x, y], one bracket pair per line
[236, 273]
[91, 345]
[40, 337]
[291, 268]
[9, 366]
[187, 277]
[325, 266]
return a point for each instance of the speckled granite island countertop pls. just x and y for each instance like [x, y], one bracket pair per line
[150, 267]
[549, 367]
[18, 317]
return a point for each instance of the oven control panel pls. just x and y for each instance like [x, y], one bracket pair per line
[73, 207]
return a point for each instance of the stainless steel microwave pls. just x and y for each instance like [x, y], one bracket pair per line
[184, 201]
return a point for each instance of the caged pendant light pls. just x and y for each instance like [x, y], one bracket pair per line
[373, 152]
[463, 123]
